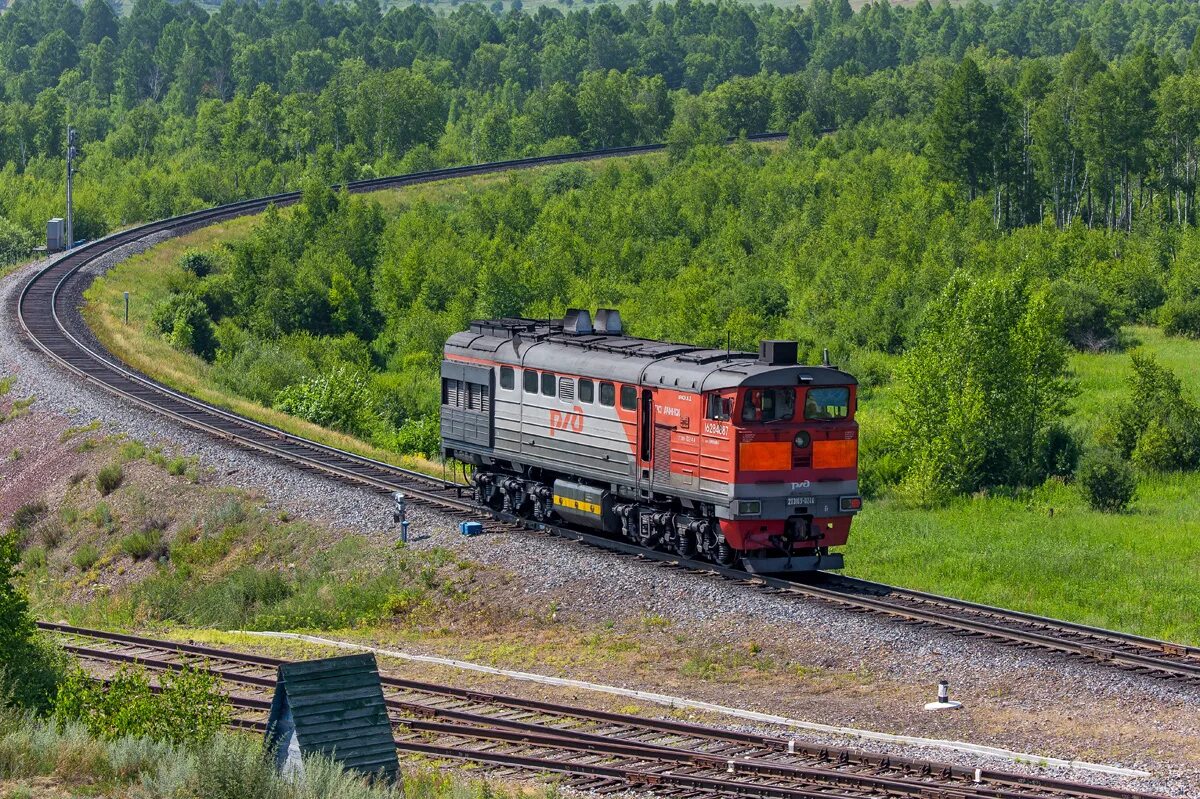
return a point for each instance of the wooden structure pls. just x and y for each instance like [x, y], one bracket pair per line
[333, 707]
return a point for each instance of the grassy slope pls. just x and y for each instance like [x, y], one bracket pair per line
[1046, 552]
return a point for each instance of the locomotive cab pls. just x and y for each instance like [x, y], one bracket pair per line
[792, 446]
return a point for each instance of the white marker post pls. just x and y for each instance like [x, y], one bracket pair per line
[943, 699]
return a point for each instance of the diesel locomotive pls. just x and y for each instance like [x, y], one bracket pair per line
[740, 458]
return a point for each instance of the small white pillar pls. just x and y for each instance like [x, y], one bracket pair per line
[943, 699]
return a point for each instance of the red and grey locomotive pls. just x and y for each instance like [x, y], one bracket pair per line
[730, 456]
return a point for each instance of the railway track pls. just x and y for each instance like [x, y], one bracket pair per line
[595, 750]
[47, 308]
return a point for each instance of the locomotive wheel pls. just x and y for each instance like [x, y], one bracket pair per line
[725, 554]
[685, 544]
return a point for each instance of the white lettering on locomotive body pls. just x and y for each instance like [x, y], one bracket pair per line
[666, 410]
[716, 429]
[801, 485]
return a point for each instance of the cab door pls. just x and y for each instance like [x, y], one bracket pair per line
[646, 442]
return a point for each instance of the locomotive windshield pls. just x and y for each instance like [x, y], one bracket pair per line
[769, 404]
[825, 404]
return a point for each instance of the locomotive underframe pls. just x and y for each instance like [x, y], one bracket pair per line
[686, 527]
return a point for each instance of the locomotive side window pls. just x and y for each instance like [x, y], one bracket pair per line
[769, 404]
[548, 383]
[629, 398]
[608, 395]
[587, 390]
[507, 380]
[825, 404]
[719, 408]
[531, 381]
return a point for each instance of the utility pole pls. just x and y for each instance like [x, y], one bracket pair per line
[71, 153]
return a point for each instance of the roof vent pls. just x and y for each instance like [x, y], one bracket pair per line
[608, 320]
[778, 353]
[577, 322]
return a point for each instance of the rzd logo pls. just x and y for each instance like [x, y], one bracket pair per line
[572, 421]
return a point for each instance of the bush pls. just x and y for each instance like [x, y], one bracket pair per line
[339, 399]
[32, 667]
[1057, 452]
[142, 545]
[1107, 481]
[86, 557]
[1180, 317]
[183, 319]
[198, 263]
[1157, 426]
[15, 243]
[27, 515]
[109, 479]
[187, 708]
[1090, 323]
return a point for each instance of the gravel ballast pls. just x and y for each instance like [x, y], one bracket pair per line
[1017, 699]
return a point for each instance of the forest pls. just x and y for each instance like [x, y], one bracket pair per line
[1060, 109]
[1010, 182]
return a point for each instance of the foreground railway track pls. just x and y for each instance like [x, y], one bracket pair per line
[48, 310]
[589, 749]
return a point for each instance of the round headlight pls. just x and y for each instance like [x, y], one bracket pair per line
[802, 439]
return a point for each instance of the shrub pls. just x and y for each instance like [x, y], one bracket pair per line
[177, 466]
[1057, 452]
[15, 242]
[1157, 425]
[109, 479]
[339, 399]
[1090, 323]
[52, 534]
[1107, 481]
[1180, 317]
[32, 667]
[34, 558]
[142, 545]
[1155, 450]
[183, 319]
[26, 516]
[187, 708]
[198, 263]
[85, 557]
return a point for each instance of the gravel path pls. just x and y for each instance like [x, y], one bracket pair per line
[1017, 699]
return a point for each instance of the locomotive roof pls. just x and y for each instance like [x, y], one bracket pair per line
[546, 345]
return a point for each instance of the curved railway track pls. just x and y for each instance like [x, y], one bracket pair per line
[48, 310]
[589, 749]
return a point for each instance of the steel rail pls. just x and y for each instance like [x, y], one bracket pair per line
[916, 779]
[43, 302]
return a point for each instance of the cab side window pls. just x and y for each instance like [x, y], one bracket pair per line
[719, 408]
[531, 381]
[507, 380]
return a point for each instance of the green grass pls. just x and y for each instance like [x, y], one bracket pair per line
[1102, 377]
[49, 757]
[1046, 552]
